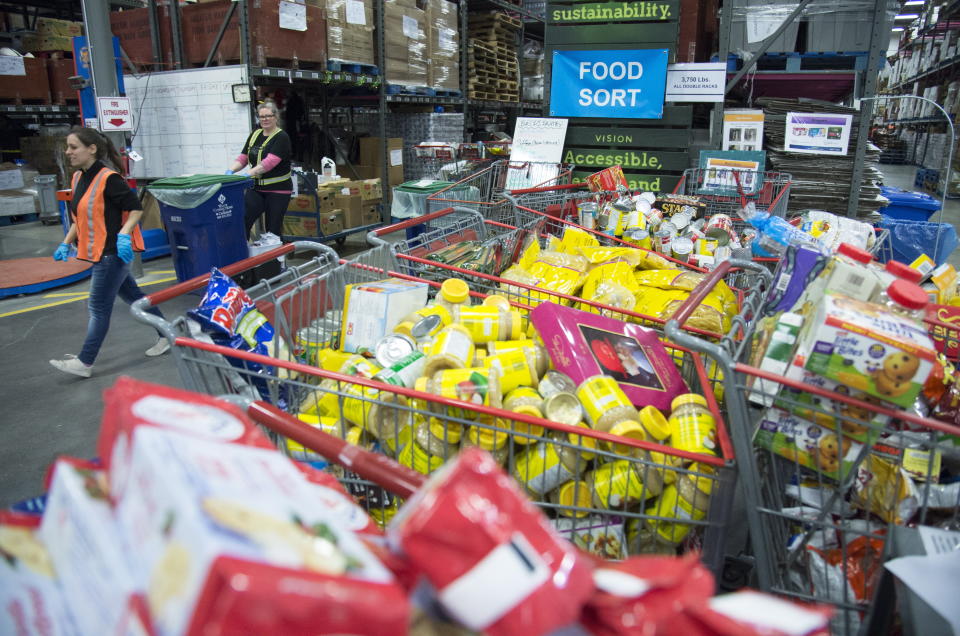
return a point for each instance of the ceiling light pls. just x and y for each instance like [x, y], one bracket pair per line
[896, 29]
[914, 3]
[907, 16]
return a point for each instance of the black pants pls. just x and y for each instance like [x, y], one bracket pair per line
[273, 203]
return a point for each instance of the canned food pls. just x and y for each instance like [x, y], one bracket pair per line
[664, 239]
[638, 237]
[392, 348]
[654, 218]
[680, 220]
[587, 214]
[554, 382]
[564, 408]
[695, 234]
[405, 371]
[719, 228]
[682, 248]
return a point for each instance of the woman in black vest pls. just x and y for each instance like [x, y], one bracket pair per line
[267, 151]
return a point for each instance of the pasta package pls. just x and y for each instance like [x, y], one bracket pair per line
[687, 280]
[710, 315]
[611, 284]
[886, 490]
[598, 255]
[573, 239]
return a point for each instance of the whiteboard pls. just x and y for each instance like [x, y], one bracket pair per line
[185, 122]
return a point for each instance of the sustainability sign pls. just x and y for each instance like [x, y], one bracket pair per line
[613, 12]
[626, 84]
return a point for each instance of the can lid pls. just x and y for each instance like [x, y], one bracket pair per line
[424, 327]
[681, 245]
[907, 294]
[854, 252]
[498, 301]
[584, 442]
[393, 347]
[654, 422]
[404, 328]
[454, 290]
[687, 398]
[904, 271]
[563, 407]
[555, 382]
[450, 434]
[487, 438]
[630, 429]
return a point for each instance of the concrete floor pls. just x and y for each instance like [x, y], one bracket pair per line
[44, 413]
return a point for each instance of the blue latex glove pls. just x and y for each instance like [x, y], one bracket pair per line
[62, 253]
[228, 172]
[124, 248]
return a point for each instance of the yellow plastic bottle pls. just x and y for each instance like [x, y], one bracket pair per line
[487, 324]
[619, 484]
[452, 349]
[687, 498]
[526, 401]
[454, 295]
[491, 440]
[498, 301]
[572, 495]
[475, 385]
[539, 351]
[437, 437]
[605, 403]
[545, 465]
[692, 425]
[517, 368]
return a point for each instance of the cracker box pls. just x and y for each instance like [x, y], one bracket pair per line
[867, 348]
[86, 549]
[607, 180]
[191, 501]
[600, 536]
[806, 443]
[372, 310]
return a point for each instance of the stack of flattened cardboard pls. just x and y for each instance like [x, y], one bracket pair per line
[405, 30]
[492, 54]
[350, 31]
[444, 49]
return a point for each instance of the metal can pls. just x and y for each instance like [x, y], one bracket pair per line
[563, 407]
[587, 214]
[638, 237]
[719, 228]
[554, 382]
[663, 240]
[694, 234]
[403, 372]
[654, 218]
[681, 247]
[392, 348]
[747, 236]
[681, 220]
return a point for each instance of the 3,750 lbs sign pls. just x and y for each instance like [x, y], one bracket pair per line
[610, 84]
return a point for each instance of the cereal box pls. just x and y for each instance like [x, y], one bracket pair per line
[867, 348]
[372, 310]
[806, 443]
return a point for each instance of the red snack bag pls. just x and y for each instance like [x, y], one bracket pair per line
[607, 180]
[278, 600]
[496, 564]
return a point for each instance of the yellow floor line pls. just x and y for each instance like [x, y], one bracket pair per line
[65, 294]
[70, 300]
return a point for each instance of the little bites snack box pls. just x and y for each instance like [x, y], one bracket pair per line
[867, 348]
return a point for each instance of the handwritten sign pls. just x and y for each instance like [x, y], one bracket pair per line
[538, 139]
[12, 65]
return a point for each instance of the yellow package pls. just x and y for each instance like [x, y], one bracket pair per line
[652, 260]
[529, 254]
[885, 490]
[554, 244]
[686, 280]
[574, 238]
[611, 284]
[663, 303]
[597, 254]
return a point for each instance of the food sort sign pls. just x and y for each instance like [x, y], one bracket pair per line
[114, 114]
[611, 84]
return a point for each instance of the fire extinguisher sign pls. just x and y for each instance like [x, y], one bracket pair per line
[114, 114]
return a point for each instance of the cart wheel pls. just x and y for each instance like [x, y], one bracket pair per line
[341, 241]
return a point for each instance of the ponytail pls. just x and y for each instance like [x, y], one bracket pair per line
[105, 148]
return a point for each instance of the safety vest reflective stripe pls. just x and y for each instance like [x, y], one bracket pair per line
[274, 179]
[256, 134]
[94, 195]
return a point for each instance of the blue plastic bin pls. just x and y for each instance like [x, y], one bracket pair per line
[203, 216]
[908, 206]
[910, 239]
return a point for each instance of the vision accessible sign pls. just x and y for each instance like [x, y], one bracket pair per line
[627, 84]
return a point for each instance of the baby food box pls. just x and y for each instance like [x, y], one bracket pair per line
[808, 444]
[867, 348]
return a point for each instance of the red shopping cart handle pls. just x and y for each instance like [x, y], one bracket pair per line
[417, 220]
[379, 469]
[197, 282]
[700, 292]
[553, 188]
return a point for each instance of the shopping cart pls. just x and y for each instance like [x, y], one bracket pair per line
[484, 191]
[823, 475]
[598, 481]
[726, 192]
[438, 162]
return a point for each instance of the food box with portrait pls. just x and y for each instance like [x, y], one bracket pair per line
[583, 345]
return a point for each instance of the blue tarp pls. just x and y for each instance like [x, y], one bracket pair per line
[909, 239]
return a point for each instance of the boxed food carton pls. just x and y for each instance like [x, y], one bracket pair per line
[405, 28]
[808, 444]
[331, 223]
[371, 190]
[372, 310]
[352, 208]
[301, 223]
[302, 203]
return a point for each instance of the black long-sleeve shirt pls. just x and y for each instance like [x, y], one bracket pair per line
[117, 197]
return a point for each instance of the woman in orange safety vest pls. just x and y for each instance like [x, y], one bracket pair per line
[104, 212]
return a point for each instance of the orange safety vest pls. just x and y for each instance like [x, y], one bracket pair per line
[91, 220]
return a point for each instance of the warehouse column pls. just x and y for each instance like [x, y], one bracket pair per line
[103, 74]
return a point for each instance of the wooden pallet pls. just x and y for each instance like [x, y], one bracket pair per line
[495, 18]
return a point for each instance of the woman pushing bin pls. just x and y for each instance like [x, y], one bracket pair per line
[267, 151]
[104, 212]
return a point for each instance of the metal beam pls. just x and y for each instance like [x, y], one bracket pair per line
[155, 35]
[176, 35]
[766, 44]
[219, 38]
[244, 32]
[716, 128]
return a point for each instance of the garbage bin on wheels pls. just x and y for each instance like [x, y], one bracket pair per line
[203, 215]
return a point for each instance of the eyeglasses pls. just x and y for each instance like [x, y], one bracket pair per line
[266, 116]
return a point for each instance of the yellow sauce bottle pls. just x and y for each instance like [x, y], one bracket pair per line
[454, 295]
[487, 324]
[605, 403]
[452, 349]
[526, 401]
[692, 425]
[517, 368]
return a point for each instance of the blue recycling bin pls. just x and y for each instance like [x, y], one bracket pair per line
[204, 218]
[908, 206]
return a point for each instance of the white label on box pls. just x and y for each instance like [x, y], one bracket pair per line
[12, 65]
[293, 15]
[396, 157]
[410, 27]
[356, 13]
[447, 39]
[11, 179]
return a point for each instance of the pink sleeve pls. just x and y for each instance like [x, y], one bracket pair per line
[242, 158]
[270, 162]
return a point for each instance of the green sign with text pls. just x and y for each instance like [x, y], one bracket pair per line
[628, 159]
[612, 12]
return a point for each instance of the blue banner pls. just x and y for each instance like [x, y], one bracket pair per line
[611, 84]
[81, 53]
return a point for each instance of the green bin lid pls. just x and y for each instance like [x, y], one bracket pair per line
[196, 181]
[424, 186]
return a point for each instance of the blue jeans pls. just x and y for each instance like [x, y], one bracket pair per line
[111, 278]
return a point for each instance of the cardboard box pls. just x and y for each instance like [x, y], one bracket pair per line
[350, 31]
[350, 187]
[371, 214]
[331, 223]
[371, 190]
[302, 203]
[352, 207]
[301, 224]
[405, 46]
[443, 49]
[14, 203]
[52, 26]
[372, 310]
[371, 150]
[325, 200]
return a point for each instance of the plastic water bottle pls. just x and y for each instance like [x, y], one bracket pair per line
[774, 234]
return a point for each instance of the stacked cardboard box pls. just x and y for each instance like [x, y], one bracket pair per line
[371, 160]
[405, 31]
[52, 35]
[492, 55]
[444, 49]
[350, 31]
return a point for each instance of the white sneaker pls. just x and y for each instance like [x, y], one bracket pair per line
[160, 348]
[72, 364]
